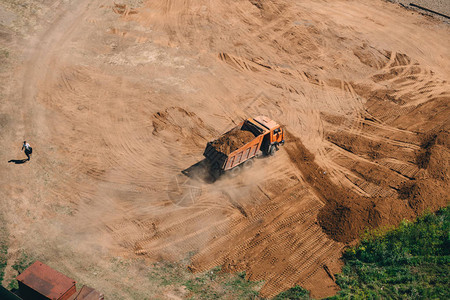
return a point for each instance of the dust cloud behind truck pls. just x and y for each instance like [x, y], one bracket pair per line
[236, 148]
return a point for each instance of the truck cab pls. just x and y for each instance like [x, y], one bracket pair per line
[273, 136]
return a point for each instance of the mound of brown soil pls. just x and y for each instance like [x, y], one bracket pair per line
[366, 147]
[345, 219]
[435, 155]
[423, 194]
[438, 164]
[345, 214]
[232, 140]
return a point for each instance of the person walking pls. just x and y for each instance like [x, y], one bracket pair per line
[28, 149]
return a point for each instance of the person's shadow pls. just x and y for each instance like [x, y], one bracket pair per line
[18, 161]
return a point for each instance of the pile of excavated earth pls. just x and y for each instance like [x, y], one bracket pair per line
[232, 140]
[346, 214]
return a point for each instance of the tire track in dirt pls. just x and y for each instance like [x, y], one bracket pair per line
[240, 224]
[205, 65]
[387, 146]
[305, 82]
[175, 237]
[45, 47]
[260, 245]
[39, 58]
[45, 54]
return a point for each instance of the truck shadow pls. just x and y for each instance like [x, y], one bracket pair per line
[199, 171]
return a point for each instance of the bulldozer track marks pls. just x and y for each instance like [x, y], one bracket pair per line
[305, 239]
[149, 245]
[120, 99]
[266, 210]
[303, 260]
[406, 169]
[238, 63]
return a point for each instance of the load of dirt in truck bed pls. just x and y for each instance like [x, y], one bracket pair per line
[232, 140]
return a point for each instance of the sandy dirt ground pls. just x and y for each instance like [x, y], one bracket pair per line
[118, 99]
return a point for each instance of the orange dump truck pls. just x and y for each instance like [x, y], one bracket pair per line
[252, 137]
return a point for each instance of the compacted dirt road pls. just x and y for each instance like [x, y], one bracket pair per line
[117, 99]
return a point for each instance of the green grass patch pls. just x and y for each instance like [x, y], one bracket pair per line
[242, 287]
[212, 284]
[22, 262]
[410, 261]
[295, 293]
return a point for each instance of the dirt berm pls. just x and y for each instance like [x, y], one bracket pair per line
[346, 214]
[232, 140]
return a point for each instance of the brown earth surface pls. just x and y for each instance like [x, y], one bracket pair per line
[232, 140]
[117, 99]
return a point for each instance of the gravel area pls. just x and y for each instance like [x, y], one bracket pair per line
[440, 6]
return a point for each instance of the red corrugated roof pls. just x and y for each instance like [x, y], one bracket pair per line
[45, 280]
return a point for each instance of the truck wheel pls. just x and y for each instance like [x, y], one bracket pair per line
[235, 171]
[215, 174]
[272, 150]
[248, 164]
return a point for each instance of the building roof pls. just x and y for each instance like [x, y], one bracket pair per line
[45, 280]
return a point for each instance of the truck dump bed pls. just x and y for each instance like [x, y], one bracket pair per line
[235, 146]
[232, 140]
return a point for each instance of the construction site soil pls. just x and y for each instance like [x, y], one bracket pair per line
[232, 140]
[118, 101]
